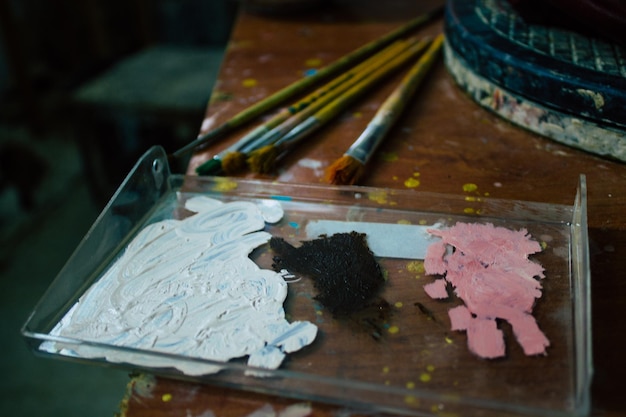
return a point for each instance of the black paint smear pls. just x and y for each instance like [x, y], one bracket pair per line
[426, 311]
[373, 317]
[343, 268]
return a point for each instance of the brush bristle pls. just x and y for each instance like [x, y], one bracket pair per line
[234, 163]
[211, 167]
[344, 171]
[263, 159]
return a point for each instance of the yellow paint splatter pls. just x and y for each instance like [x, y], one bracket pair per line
[393, 329]
[385, 370]
[357, 115]
[469, 210]
[217, 96]
[395, 178]
[410, 385]
[389, 156]
[249, 82]
[544, 245]
[423, 222]
[223, 184]
[471, 198]
[448, 340]
[430, 368]
[379, 197]
[411, 182]
[404, 221]
[470, 188]
[399, 304]
[425, 377]
[411, 400]
[415, 266]
[166, 397]
[313, 62]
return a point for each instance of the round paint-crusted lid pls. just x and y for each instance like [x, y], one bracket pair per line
[562, 70]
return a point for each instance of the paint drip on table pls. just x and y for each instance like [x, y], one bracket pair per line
[490, 270]
[188, 287]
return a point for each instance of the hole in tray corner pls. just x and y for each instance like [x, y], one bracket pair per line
[157, 172]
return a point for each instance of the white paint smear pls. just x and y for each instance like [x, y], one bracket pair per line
[390, 240]
[188, 287]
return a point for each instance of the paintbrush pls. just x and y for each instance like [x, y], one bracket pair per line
[349, 168]
[262, 160]
[233, 159]
[304, 83]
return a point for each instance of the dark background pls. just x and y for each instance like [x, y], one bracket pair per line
[86, 86]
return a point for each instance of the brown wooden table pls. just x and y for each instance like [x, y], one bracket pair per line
[444, 140]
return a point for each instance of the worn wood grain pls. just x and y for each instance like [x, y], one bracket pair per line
[442, 142]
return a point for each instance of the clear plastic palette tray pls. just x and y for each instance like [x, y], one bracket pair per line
[403, 360]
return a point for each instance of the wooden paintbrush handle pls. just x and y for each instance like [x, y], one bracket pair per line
[328, 112]
[364, 147]
[304, 83]
[293, 115]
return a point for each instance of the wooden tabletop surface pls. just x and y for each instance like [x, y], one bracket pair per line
[443, 141]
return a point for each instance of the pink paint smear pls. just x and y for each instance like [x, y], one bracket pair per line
[489, 269]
